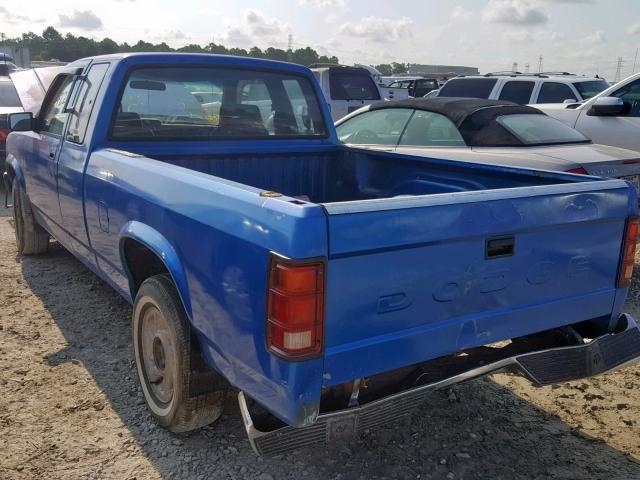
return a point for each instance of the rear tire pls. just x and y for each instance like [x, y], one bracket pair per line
[31, 238]
[181, 391]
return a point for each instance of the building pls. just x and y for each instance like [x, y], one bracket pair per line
[442, 71]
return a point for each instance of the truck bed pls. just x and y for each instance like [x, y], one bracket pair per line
[343, 175]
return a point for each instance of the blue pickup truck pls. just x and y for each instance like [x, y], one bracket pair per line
[331, 286]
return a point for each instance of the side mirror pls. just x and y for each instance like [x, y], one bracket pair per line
[608, 106]
[21, 122]
[569, 100]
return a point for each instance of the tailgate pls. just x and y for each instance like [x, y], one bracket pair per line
[415, 278]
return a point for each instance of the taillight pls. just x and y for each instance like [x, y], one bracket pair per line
[3, 135]
[579, 171]
[628, 252]
[295, 308]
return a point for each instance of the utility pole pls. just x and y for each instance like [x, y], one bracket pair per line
[526, 67]
[635, 59]
[540, 64]
[616, 79]
[290, 47]
[514, 67]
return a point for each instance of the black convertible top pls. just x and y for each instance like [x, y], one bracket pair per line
[474, 117]
[459, 109]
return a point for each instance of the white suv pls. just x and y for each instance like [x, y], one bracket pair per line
[548, 87]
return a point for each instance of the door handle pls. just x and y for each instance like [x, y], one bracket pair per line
[52, 154]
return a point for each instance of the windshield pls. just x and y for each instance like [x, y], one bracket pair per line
[591, 88]
[207, 103]
[352, 86]
[8, 95]
[534, 129]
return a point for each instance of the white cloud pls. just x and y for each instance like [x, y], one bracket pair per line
[13, 18]
[378, 29]
[595, 38]
[514, 12]
[82, 19]
[256, 29]
[460, 13]
[634, 29]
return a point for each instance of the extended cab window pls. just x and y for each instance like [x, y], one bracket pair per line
[630, 93]
[209, 103]
[54, 116]
[87, 91]
[553, 92]
[468, 87]
[517, 91]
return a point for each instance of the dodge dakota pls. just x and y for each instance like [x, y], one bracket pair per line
[331, 286]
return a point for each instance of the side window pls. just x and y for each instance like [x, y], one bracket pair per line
[53, 118]
[553, 92]
[630, 93]
[84, 102]
[517, 92]
[377, 127]
[468, 87]
[429, 129]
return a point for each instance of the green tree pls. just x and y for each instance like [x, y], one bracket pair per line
[385, 69]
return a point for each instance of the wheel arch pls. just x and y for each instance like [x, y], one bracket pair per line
[145, 252]
[14, 170]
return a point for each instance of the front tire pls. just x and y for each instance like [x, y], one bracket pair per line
[31, 238]
[180, 390]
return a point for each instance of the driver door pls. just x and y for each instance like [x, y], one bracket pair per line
[41, 164]
[620, 131]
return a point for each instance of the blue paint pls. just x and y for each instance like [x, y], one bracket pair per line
[405, 240]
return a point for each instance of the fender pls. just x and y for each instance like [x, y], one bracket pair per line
[158, 244]
[14, 169]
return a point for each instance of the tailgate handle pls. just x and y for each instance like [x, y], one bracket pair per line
[500, 247]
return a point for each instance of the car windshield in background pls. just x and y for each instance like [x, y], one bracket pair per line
[533, 129]
[591, 88]
[208, 103]
[8, 95]
[468, 87]
[353, 86]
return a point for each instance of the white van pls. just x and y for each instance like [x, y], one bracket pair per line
[346, 89]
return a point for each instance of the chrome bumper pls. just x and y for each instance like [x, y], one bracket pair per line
[543, 367]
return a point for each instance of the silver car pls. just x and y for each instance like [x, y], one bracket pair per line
[484, 131]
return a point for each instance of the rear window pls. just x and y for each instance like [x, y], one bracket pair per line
[591, 88]
[352, 86]
[468, 87]
[209, 103]
[533, 129]
[8, 95]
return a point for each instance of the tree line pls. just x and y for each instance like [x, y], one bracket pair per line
[53, 45]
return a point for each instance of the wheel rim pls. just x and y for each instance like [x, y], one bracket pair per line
[157, 355]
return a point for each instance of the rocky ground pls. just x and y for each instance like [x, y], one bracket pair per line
[71, 408]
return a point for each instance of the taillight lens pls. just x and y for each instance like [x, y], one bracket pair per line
[628, 252]
[3, 135]
[579, 170]
[295, 308]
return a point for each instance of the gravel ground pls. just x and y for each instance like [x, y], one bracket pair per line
[71, 408]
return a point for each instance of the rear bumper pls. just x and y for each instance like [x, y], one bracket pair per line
[543, 367]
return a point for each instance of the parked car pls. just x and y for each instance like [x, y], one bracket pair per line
[520, 88]
[346, 89]
[416, 87]
[333, 286]
[611, 118]
[9, 103]
[485, 131]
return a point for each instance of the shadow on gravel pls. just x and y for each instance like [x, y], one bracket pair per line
[477, 430]
[4, 212]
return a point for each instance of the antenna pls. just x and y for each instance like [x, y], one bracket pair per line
[290, 43]
[540, 64]
[616, 79]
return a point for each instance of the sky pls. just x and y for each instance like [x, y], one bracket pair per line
[580, 36]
